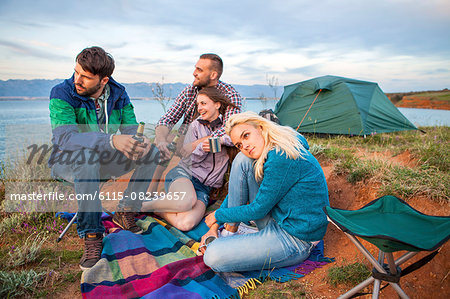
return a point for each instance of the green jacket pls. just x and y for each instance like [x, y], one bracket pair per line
[74, 119]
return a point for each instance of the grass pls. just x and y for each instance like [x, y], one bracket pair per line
[28, 252]
[410, 182]
[275, 290]
[32, 266]
[349, 274]
[352, 157]
[439, 96]
[19, 283]
[427, 176]
[12, 222]
[55, 259]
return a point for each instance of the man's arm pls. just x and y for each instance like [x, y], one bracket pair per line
[66, 131]
[161, 142]
[234, 98]
[70, 136]
[170, 118]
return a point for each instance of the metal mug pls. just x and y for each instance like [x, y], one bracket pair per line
[209, 240]
[214, 144]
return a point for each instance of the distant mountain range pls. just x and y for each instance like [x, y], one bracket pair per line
[42, 87]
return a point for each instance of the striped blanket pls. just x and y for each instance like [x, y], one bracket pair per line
[160, 263]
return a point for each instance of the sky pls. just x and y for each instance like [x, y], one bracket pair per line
[403, 45]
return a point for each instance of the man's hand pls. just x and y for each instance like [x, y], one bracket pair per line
[130, 147]
[211, 219]
[147, 145]
[163, 150]
[161, 133]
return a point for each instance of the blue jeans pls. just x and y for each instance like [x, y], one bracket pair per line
[86, 169]
[270, 247]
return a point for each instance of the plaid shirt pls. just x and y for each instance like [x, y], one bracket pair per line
[185, 105]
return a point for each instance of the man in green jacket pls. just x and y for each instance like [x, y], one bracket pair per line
[86, 112]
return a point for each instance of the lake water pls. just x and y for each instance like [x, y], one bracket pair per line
[33, 117]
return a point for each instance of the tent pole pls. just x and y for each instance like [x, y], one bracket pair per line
[308, 110]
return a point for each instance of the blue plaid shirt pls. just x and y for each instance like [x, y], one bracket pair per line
[184, 105]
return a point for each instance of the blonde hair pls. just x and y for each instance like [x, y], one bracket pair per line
[281, 138]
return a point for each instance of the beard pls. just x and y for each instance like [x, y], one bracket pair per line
[90, 91]
[204, 83]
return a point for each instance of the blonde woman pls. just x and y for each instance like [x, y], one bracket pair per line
[276, 182]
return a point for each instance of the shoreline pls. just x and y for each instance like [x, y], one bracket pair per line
[406, 102]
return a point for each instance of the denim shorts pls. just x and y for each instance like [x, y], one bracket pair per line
[201, 190]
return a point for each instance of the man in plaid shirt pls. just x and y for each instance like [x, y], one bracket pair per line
[207, 73]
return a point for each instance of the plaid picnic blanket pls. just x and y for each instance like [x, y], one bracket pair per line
[160, 263]
[249, 280]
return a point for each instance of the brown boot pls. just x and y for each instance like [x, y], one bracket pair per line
[126, 221]
[92, 250]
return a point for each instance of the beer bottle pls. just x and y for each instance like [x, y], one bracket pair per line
[172, 147]
[140, 132]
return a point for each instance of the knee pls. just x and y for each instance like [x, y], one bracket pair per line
[187, 203]
[86, 162]
[186, 224]
[242, 159]
[212, 257]
[243, 162]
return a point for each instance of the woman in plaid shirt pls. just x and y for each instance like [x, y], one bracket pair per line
[199, 170]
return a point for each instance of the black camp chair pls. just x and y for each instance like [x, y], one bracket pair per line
[391, 225]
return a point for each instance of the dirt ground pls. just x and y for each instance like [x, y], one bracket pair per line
[431, 281]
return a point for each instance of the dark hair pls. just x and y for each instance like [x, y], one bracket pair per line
[217, 97]
[96, 61]
[217, 63]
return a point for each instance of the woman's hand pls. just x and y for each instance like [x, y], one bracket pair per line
[205, 146]
[211, 219]
[213, 231]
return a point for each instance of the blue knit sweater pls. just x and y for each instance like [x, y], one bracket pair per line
[293, 191]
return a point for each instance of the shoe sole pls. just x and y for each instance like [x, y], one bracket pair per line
[84, 268]
[137, 233]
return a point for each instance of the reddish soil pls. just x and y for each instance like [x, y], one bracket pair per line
[431, 281]
[422, 102]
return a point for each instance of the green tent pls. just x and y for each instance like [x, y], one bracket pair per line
[337, 105]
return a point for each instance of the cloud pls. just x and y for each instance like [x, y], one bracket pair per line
[116, 45]
[24, 50]
[291, 39]
[178, 47]
[134, 61]
[438, 71]
[306, 71]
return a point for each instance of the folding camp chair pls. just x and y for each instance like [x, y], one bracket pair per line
[391, 225]
[65, 182]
